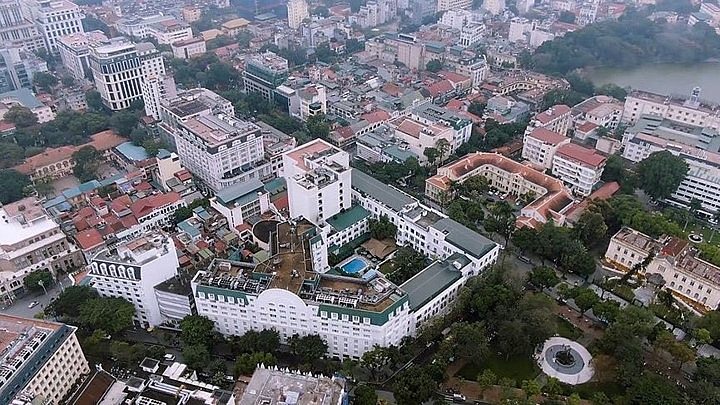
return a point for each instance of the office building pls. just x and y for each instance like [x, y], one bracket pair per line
[540, 145]
[41, 361]
[16, 30]
[264, 73]
[137, 27]
[18, 67]
[556, 118]
[169, 31]
[189, 48]
[132, 269]
[297, 12]
[241, 201]
[579, 167]
[54, 19]
[155, 89]
[444, 5]
[75, 51]
[30, 240]
[121, 70]
[690, 110]
[221, 150]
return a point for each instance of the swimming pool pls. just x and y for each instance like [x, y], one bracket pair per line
[355, 265]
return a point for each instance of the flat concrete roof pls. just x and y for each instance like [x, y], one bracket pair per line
[434, 279]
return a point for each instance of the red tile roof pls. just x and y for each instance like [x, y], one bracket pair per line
[89, 239]
[376, 116]
[547, 136]
[441, 87]
[452, 76]
[183, 175]
[147, 205]
[552, 113]
[581, 154]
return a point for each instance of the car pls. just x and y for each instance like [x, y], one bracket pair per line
[33, 304]
[459, 398]
[169, 357]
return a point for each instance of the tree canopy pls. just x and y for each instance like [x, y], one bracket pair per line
[309, 348]
[661, 173]
[35, 278]
[109, 314]
[21, 116]
[87, 161]
[12, 184]
[197, 330]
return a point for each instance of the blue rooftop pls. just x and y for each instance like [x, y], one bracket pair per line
[23, 96]
[236, 192]
[132, 152]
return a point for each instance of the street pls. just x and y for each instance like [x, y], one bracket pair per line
[20, 308]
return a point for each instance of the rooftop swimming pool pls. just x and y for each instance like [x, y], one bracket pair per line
[355, 265]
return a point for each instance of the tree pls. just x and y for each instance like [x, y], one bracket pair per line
[614, 169]
[44, 81]
[71, 300]
[607, 310]
[544, 277]
[585, 298]
[246, 363]
[87, 161]
[108, 313]
[431, 154]
[567, 17]
[11, 154]
[702, 336]
[530, 387]
[477, 108]
[612, 90]
[661, 173]
[38, 280]
[573, 399]
[382, 228]
[486, 379]
[434, 66]
[123, 122]
[443, 147]
[365, 395]
[156, 352]
[413, 386]
[67, 80]
[376, 360]
[590, 228]
[197, 330]
[94, 100]
[652, 389]
[266, 341]
[127, 354]
[711, 322]
[181, 214]
[309, 348]
[21, 116]
[196, 356]
[470, 341]
[318, 126]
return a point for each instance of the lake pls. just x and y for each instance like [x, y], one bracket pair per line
[664, 78]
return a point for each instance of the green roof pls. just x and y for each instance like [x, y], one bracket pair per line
[469, 241]
[348, 218]
[240, 193]
[275, 185]
[388, 195]
[435, 279]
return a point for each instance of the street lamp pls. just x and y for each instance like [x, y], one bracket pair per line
[42, 284]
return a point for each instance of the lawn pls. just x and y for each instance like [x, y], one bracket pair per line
[566, 329]
[610, 388]
[518, 368]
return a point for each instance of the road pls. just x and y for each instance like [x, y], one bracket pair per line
[19, 307]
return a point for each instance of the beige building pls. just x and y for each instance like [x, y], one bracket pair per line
[691, 111]
[444, 5]
[189, 48]
[555, 118]
[540, 145]
[552, 200]
[41, 363]
[579, 167]
[629, 247]
[418, 136]
[234, 27]
[297, 12]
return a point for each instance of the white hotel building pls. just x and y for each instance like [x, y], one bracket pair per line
[690, 111]
[221, 150]
[55, 19]
[291, 291]
[132, 269]
[41, 361]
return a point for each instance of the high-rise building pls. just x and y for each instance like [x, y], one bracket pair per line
[264, 73]
[132, 269]
[221, 150]
[155, 89]
[494, 7]
[297, 12]
[444, 5]
[54, 19]
[18, 67]
[30, 240]
[41, 361]
[121, 70]
[74, 51]
[16, 30]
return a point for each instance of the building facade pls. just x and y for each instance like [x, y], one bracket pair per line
[579, 167]
[16, 29]
[132, 269]
[691, 110]
[297, 12]
[264, 73]
[75, 51]
[54, 19]
[540, 146]
[42, 361]
[189, 48]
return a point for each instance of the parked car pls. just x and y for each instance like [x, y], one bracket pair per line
[459, 398]
[33, 304]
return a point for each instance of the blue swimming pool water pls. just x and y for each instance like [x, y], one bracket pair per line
[355, 265]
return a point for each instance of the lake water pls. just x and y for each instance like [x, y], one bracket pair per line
[664, 78]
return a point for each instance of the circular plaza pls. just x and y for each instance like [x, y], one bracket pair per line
[566, 360]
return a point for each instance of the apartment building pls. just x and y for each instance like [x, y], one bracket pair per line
[74, 51]
[30, 240]
[579, 167]
[556, 119]
[193, 103]
[264, 73]
[552, 200]
[169, 31]
[54, 19]
[132, 269]
[189, 48]
[41, 362]
[603, 111]
[241, 201]
[18, 68]
[221, 150]
[460, 126]
[444, 5]
[689, 278]
[691, 110]
[121, 71]
[297, 12]
[16, 29]
[494, 7]
[540, 146]
[265, 382]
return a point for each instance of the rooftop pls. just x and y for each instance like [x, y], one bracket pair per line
[23, 96]
[581, 154]
[277, 387]
[217, 130]
[433, 280]
[347, 218]
[547, 136]
[386, 194]
[464, 238]
[636, 239]
[235, 193]
[552, 113]
[311, 150]
[132, 152]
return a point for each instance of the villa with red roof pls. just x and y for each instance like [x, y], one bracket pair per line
[556, 118]
[540, 145]
[578, 166]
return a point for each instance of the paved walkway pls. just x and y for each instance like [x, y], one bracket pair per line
[578, 373]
